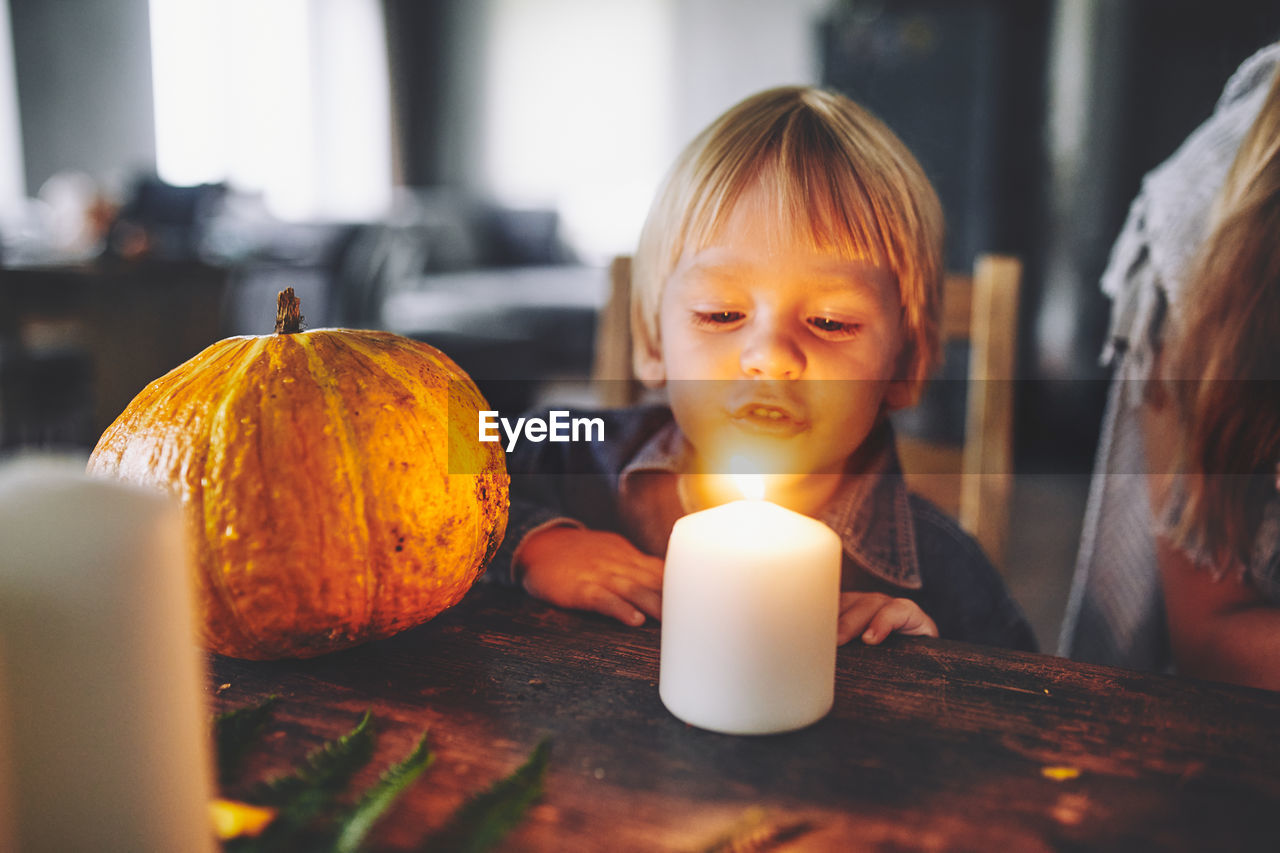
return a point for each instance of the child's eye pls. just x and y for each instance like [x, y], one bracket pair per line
[717, 318]
[835, 328]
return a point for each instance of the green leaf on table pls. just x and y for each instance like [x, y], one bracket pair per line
[305, 794]
[327, 767]
[380, 796]
[483, 820]
[235, 731]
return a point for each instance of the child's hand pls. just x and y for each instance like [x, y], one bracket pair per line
[875, 616]
[592, 570]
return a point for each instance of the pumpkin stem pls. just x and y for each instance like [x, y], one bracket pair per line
[288, 312]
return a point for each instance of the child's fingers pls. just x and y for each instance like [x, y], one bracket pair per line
[638, 594]
[647, 572]
[902, 616]
[608, 602]
[856, 612]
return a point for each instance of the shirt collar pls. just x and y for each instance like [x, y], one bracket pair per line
[870, 511]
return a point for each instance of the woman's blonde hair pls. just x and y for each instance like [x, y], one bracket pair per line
[838, 175]
[1224, 355]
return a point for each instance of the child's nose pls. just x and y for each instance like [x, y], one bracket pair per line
[771, 353]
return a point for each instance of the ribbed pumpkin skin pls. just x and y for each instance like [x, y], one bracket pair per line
[313, 469]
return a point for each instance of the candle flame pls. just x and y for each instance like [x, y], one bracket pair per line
[746, 478]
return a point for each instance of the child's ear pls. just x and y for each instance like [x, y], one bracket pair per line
[649, 367]
[903, 392]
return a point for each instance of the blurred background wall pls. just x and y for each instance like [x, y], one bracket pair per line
[461, 171]
[533, 132]
[84, 83]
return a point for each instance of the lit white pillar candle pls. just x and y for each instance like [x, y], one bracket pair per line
[105, 718]
[750, 605]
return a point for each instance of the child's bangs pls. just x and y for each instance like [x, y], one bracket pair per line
[827, 207]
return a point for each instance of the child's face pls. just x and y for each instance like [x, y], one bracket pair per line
[763, 308]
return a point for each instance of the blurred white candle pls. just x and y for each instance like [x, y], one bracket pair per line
[750, 602]
[107, 727]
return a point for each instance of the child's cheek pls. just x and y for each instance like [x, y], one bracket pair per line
[693, 414]
[704, 357]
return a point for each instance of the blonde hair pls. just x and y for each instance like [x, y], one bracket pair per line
[839, 176]
[1224, 355]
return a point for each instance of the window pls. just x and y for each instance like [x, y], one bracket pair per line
[576, 112]
[288, 98]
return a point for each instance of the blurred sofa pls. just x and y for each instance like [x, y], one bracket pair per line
[496, 288]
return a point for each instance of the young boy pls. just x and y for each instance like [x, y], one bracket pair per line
[786, 292]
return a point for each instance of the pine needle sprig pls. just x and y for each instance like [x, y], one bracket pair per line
[309, 791]
[375, 801]
[484, 819]
[305, 797]
[236, 731]
[327, 767]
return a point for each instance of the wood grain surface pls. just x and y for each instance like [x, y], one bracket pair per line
[931, 745]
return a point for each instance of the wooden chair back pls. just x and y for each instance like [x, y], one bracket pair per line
[972, 481]
[611, 373]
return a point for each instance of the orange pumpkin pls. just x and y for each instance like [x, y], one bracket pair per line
[314, 472]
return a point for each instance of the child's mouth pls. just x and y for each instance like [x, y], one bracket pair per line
[769, 419]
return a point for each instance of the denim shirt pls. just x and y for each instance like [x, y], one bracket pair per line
[894, 542]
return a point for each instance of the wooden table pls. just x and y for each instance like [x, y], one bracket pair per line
[932, 745]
